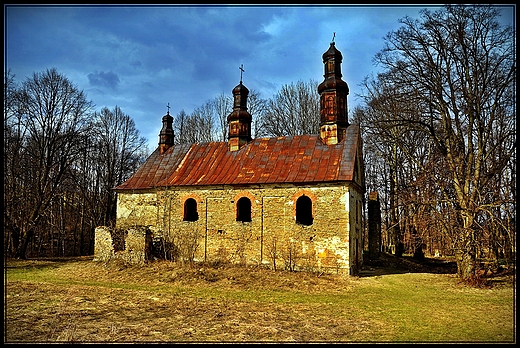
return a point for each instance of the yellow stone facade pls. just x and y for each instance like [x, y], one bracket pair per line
[332, 243]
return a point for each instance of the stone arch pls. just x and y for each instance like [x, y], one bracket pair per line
[190, 210]
[190, 207]
[304, 215]
[251, 198]
[195, 196]
[307, 193]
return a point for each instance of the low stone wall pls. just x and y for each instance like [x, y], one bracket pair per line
[137, 245]
[103, 245]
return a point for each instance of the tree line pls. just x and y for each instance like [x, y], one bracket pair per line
[293, 110]
[439, 129]
[61, 161]
[438, 126]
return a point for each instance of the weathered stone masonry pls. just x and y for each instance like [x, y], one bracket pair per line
[136, 244]
[273, 237]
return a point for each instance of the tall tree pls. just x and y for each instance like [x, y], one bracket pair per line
[53, 116]
[453, 74]
[294, 110]
[117, 152]
[257, 107]
[223, 105]
[199, 126]
[203, 119]
[14, 133]
[180, 124]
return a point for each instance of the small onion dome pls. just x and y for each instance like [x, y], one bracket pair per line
[240, 89]
[332, 53]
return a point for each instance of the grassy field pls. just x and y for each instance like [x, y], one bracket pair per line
[84, 301]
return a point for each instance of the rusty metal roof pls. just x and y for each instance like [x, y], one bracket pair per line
[294, 159]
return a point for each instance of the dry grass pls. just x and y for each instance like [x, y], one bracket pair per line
[85, 301]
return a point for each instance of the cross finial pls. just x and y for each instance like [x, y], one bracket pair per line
[241, 67]
[333, 36]
[168, 106]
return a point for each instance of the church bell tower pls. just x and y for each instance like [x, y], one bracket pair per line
[166, 134]
[333, 93]
[239, 119]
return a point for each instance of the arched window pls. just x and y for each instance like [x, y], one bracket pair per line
[244, 210]
[304, 211]
[190, 210]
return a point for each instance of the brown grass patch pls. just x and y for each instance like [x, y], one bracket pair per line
[84, 301]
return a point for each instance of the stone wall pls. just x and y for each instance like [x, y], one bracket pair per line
[137, 245]
[136, 240]
[332, 243]
[103, 246]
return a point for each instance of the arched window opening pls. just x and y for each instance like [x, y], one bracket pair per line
[244, 210]
[190, 210]
[304, 211]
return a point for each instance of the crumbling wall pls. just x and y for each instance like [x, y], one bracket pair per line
[374, 226]
[137, 245]
[133, 246]
[103, 246]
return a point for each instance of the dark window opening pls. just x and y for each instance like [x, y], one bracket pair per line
[190, 210]
[244, 210]
[304, 211]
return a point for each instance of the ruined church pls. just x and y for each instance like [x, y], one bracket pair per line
[292, 202]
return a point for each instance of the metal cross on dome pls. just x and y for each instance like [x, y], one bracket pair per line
[241, 67]
[168, 106]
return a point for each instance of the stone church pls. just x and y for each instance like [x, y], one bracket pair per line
[292, 202]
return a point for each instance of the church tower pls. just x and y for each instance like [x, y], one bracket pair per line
[166, 134]
[239, 119]
[333, 93]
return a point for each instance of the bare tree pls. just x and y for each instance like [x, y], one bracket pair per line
[204, 120]
[199, 126]
[293, 111]
[14, 134]
[52, 116]
[116, 154]
[180, 125]
[257, 107]
[223, 105]
[453, 75]
[60, 165]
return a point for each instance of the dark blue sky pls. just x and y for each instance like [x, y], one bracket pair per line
[141, 58]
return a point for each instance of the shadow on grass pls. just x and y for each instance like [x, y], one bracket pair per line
[43, 262]
[391, 264]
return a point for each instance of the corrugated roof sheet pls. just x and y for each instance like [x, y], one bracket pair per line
[295, 159]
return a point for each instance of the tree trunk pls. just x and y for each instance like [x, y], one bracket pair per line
[13, 232]
[466, 255]
[21, 252]
[465, 264]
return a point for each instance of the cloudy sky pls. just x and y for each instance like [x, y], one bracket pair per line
[141, 58]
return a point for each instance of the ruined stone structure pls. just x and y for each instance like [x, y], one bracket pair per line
[286, 202]
[374, 226]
